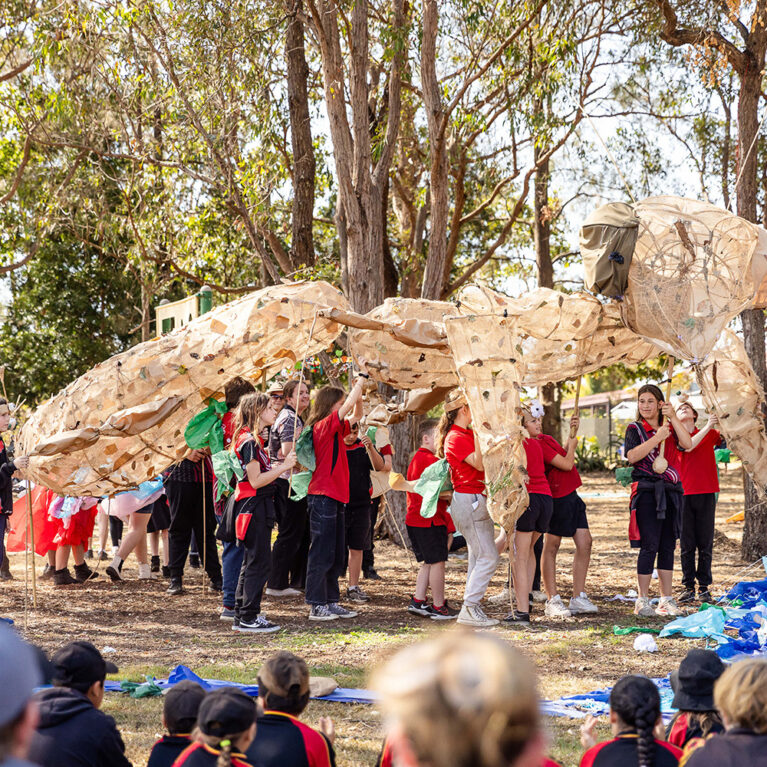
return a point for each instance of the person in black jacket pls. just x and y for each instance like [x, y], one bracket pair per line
[7, 469]
[179, 714]
[72, 731]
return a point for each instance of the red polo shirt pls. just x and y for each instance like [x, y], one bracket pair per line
[699, 465]
[562, 483]
[459, 445]
[537, 453]
[331, 475]
[421, 460]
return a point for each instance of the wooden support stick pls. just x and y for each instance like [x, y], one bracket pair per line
[204, 528]
[31, 539]
[576, 409]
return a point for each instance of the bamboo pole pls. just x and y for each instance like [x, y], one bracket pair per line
[31, 539]
[576, 409]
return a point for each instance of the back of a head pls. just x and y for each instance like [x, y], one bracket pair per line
[283, 683]
[740, 694]
[635, 699]
[226, 713]
[463, 699]
[180, 707]
[324, 401]
[235, 389]
[79, 665]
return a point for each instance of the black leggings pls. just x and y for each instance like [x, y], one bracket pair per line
[657, 536]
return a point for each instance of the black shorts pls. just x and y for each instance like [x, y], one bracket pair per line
[160, 519]
[357, 518]
[429, 543]
[569, 515]
[537, 515]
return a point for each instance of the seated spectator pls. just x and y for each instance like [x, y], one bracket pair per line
[19, 675]
[693, 685]
[464, 700]
[226, 725]
[740, 696]
[179, 716]
[634, 719]
[72, 731]
[281, 739]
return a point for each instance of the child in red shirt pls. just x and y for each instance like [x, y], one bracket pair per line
[428, 537]
[701, 484]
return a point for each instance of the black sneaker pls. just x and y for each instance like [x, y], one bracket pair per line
[64, 578]
[89, 554]
[165, 571]
[155, 564]
[194, 561]
[704, 595]
[217, 584]
[687, 596]
[103, 556]
[175, 587]
[356, 594]
[443, 613]
[371, 575]
[517, 618]
[84, 573]
[418, 608]
[261, 625]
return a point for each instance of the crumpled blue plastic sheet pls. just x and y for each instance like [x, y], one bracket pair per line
[707, 623]
[749, 592]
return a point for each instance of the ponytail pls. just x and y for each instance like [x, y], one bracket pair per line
[225, 755]
[636, 701]
[224, 745]
[443, 427]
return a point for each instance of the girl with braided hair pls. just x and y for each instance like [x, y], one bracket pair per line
[634, 719]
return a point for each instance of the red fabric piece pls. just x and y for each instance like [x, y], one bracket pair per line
[421, 460]
[459, 444]
[80, 528]
[699, 466]
[330, 478]
[44, 528]
[386, 450]
[537, 451]
[678, 734]
[227, 424]
[562, 483]
[634, 535]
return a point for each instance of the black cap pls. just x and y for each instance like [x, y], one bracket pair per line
[226, 711]
[693, 682]
[80, 664]
[181, 706]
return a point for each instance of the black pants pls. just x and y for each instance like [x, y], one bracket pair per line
[291, 548]
[327, 551]
[186, 516]
[115, 530]
[367, 554]
[256, 557]
[537, 550]
[697, 535]
[657, 536]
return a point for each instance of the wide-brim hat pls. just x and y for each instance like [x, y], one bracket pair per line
[693, 683]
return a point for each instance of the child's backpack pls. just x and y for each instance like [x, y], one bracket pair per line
[607, 241]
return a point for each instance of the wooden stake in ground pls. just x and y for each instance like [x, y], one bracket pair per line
[31, 540]
[204, 527]
[576, 409]
[660, 464]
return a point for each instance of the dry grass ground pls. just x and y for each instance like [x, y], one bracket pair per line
[152, 632]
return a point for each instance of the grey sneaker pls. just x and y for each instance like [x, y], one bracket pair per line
[356, 594]
[261, 625]
[555, 608]
[643, 608]
[473, 615]
[226, 614]
[341, 612]
[582, 604]
[321, 613]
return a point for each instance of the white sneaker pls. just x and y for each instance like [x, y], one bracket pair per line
[667, 606]
[582, 604]
[145, 573]
[643, 608]
[282, 592]
[473, 615]
[555, 608]
[538, 596]
[503, 598]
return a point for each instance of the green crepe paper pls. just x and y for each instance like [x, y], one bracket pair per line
[722, 455]
[305, 449]
[434, 480]
[146, 689]
[707, 606]
[205, 429]
[623, 475]
[633, 630]
[225, 466]
[300, 486]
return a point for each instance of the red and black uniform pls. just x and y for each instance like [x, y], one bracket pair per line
[537, 515]
[283, 740]
[166, 750]
[328, 494]
[737, 747]
[681, 730]
[358, 508]
[569, 512]
[200, 755]
[656, 500]
[6, 495]
[254, 512]
[427, 536]
[701, 484]
[622, 752]
[368, 559]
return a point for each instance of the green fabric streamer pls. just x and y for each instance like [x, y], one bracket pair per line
[299, 487]
[623, 475]
[622, 631]
[205, 429]
[722, 455]
[225, 466]
[434, 480]
[305, 449]
[146, 689]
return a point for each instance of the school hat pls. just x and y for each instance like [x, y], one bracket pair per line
[454, 400]
[226, 711]
[285, 674]
[693, 682]
[80, 663]
[19, 673]
[181, 706]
